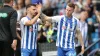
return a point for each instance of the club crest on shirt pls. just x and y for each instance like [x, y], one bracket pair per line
[63, 27]
[31, 29]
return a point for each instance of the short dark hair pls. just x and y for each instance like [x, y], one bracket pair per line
[71, 5]
[7, 1]
[29, 5]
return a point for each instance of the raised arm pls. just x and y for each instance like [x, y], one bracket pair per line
[44, 17]
[35, 18]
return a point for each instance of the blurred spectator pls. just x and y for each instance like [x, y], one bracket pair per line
[91, 29]
[98, 18]
[77, 11]
[62, 9]
[80, 4]
[41, 37]
[47, 9]
[89, 7]
[97, 53]
[61, 5]
[20, 3]
[98, 5]
[21, 9]
[27, 2]
[48, 32]
[1, 3]
[15, 5]
[84, 31]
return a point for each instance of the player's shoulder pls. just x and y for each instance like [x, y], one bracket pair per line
[58, 16]
[62, 15]
[75, 18]
[24, 18]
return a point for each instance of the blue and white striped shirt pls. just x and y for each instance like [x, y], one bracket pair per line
[66, 31]
[84, 29]
[28, 34]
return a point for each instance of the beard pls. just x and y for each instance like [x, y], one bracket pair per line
[34, 14]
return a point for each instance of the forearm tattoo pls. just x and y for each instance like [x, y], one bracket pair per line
[42, 16]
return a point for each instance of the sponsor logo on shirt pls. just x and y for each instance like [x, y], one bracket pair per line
[4, 15]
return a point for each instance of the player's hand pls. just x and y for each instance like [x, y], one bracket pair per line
[82, 50]
[14, 44]
[39, 6]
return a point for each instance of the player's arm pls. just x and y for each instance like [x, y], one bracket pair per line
[32, 21]
[45, 17]
[80, 39]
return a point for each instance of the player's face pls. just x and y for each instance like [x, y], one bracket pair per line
[33, 10]
[69, 11]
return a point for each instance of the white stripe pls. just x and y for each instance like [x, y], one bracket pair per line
[71, 32]
[33, 37]
[36, 45]
[74, 24]
[33, 42]
[57, 42]
[62, 33]
[66, 39]
[36, 36]
[25, 37]
[67, 32]
[22, 34]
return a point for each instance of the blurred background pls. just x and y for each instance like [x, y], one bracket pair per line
[47, 36]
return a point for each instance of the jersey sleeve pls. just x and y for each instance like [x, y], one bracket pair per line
[56, 18]
[24, 20]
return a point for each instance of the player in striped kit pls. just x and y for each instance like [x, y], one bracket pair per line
[68, 25]
[29, 30]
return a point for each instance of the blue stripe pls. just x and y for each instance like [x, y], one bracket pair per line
[64, 36]
[73, 33]
[75, 23]
[27, 36]
[31, 38]
[71, 23]
[35, 35]
[28, 18]
[69, 33]
[61, 23]
[71, 28]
